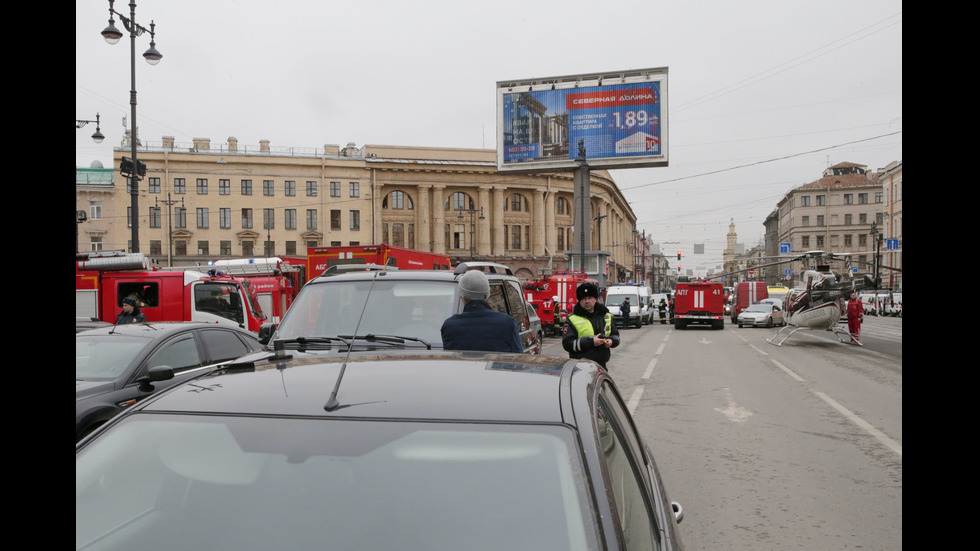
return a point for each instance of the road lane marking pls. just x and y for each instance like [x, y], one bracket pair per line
[888, 442]
[650, 366]
[788, 371]
[634, 400]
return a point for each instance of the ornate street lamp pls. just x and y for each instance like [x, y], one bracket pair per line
[97, 137]
[472, 212]
[152, 56]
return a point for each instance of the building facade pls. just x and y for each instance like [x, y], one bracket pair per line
[891, 183]
[94, 207]
[199, 203]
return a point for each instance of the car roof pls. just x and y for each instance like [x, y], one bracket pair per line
[491, 269]
[442, 385]
[155, 328]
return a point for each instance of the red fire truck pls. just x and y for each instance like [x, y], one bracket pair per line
[553, 297]
[272, 282]
[104, 278]
[699, 302]
[321, 258]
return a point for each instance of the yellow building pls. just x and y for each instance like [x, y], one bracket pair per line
[198, 203]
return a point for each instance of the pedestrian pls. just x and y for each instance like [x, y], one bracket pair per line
[589, 332]
[624, 311]
[131, 312]
[662, 308]
[855, 315]
[478, 327]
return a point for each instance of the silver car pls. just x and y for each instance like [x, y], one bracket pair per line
[761, 315]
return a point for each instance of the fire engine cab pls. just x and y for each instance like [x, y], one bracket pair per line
[104, 278]
[554, 298]
[272, 282]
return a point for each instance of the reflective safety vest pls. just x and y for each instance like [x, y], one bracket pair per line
[583, 326]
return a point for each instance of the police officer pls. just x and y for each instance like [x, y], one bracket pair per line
[131, 312]
[624, 310]
[589, 332]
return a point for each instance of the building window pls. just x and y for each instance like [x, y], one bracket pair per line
[246, 187]
[354, 189]
[291, 248]
[335, 189]
[180, 247]
[155, 216]
[821, 200]
[95, 210]
[879, 197]
[819, 241]
[355, 219]
[394, 200]
[268, 219]
[311, 219]
[248, 248]
[515, 237]
[561, 207]
[847, 240]
[290, 219]
[290, 188]
[202, 186]
[95, 243]
[268, 187]
[880, 218]
[180, 217]
[334, 219]
[180, 187]
[270, 248]
[820, 220]
[311, 188]
[862, 240]
[806, 241]
[863, 218]
[156, 247]
[246, 219]
[848, 198]
[806, 221]
[848, 219]
[516, 203]
[804, 200]
[154, 185]
[202, 217]
[460, 201]
[862, 198]
[224, 187]
[311, 244]
[398, 234]
[224, 219]
[225, 248]
[202, 248]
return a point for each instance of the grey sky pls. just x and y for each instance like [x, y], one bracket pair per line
[763, 94]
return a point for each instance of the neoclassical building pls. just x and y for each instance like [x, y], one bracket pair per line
[198, 203]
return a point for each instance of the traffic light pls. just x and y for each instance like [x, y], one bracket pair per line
[678, 267]
[126, 167]
[678, 252]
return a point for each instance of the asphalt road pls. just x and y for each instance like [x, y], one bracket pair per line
[796, 446]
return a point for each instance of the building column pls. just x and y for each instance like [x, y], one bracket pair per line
[438, 220]
[499, 236]
[483, 226]
[377, 190]
[550, 231]
[423, 217]
[536, 246]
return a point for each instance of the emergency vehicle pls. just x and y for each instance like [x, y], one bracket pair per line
[699, 302]
[553, 297]
[104, 278]
[746, 294]
[321, 258]
[272, 282]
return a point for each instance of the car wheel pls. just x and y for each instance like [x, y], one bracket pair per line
[740, 326]
[769, 322]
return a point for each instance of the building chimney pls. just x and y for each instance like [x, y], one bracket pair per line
[202, 144]
[264, 146]
[168, 142]
[232, 143]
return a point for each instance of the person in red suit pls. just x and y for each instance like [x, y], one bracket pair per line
[855, 315]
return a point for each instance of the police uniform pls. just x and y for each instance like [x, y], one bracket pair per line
[582, 325]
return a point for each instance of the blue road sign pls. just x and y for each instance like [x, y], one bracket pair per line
[892, 244]
[784, 248]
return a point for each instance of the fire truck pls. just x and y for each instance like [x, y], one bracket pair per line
[699, 302]
[272, 282]
[321, 258]
[553, 297]
[104, 278]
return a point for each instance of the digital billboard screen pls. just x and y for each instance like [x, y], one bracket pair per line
[613, 120]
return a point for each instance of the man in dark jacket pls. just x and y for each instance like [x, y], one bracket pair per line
[478, 327]
[624, 310]
[589, 332]
[131, 313]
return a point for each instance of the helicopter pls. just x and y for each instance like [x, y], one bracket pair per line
[818, 304]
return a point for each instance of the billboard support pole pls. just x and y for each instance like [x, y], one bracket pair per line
[582, 180]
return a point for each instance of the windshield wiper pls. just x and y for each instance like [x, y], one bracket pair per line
[305, 342]
[393, 339]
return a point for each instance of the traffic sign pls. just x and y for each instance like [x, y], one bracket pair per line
[784, 248]
[892, 244]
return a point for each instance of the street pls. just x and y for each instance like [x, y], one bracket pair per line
[766, 447]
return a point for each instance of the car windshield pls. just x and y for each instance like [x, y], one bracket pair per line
[759, 308]
[407, 308]
[185, 482]
[105, 357]
[616, 300]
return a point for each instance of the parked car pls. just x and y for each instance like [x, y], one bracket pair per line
[536, 326]
[117, 365]
[405, 307]
[761, 314]
[86, 324]
[361, 450]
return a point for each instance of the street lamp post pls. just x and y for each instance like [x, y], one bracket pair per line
[472, 212]
[97, 137]
[170, 227]
[152, 56]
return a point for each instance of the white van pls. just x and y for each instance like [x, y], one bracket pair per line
[647, 308]
[615, 295]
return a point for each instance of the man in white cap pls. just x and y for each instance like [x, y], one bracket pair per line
[478, 327]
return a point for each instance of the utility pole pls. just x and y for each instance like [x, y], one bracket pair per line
[170, 227]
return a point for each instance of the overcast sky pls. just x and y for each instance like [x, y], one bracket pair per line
[762, 94]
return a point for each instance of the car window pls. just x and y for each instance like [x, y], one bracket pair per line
[105, 357]
[515, 303]
[225, 345]
[180, 354]
[622, 459]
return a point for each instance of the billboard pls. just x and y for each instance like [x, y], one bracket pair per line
[612, 120]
